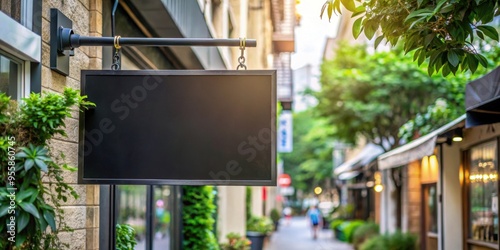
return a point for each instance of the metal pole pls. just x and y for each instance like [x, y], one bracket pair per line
[69, 40]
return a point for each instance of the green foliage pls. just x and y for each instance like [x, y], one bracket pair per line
[363, 233]
[396, 241]
[275, 215]
[24, 145]
[437, 115]
[373, 95]
[348, 228]
[4, 105]
[335, 223]
[46, 114]
[446, 34]
[262, 225]
[311, 160]
[236, 242]
[248, 203]
[197, 218]
[444, 110]
[125, 237]
[344, 212]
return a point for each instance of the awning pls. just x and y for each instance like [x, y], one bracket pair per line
[416, 149]
[482, 100]
[348, 169]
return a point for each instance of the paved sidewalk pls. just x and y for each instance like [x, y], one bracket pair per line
[297, 236]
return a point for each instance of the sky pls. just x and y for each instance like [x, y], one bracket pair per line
[310, 39]
[310, 36]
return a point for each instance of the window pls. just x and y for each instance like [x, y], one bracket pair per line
[11, 80]
[483, 200]
[430, 208]
[131, 202]
[18, 59]
[148, 209]
[20, 10]
[162, 217]
[12, 8]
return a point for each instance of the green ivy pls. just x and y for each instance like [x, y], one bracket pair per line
[125, 237]
[34, 205]
[248, 203]
[197, 218]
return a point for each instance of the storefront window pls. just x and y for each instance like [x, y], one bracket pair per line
[162, 216]
[483, 201]
[132, 211]
[148, 209]
[430, 196]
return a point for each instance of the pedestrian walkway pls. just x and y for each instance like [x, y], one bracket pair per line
[297, 236]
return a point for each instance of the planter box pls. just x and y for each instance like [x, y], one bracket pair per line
[257, 240]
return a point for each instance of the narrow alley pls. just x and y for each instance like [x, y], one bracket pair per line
[297, 236]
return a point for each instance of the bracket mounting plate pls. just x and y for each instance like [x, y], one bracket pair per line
[59, 58]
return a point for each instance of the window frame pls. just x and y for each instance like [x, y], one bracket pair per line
[23, 75]
[28, 52]
[466, 157]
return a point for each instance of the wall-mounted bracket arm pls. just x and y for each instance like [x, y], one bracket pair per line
[64, 41]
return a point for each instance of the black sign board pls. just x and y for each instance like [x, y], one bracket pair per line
[183, 127]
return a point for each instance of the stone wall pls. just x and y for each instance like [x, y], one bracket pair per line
[413, 194]
[81, 214]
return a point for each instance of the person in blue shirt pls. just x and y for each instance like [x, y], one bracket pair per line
[314, 216]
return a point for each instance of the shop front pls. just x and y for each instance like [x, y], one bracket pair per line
[480, 162]
[415, 196]
[355, 180]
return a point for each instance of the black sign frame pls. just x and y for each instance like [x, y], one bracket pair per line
[236, 74]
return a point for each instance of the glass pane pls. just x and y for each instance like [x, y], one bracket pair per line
[432, 209]
[12, 8]
[9, 76]
[483, 178]
[162, 217]
[131, 202]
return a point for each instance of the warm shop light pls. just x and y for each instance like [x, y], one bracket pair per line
[457, 135]
[377, 177]
[370, 184]
[318, 190]
[483, 177]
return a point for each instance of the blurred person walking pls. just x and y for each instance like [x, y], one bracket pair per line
[315, 220]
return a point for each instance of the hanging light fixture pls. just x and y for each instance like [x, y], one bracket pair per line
[457, 135]
[377, 177]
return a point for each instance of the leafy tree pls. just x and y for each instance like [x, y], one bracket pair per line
[448, 34]
[373, 95]
[311, 160]
[444, 110]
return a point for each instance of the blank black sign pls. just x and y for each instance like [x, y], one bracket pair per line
[179, 128]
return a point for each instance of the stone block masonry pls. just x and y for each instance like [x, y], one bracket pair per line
[81, 214]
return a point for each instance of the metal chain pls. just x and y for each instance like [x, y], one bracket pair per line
[116, 58]
[241, 59]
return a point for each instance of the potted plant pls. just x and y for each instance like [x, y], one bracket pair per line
[32, 174]
[275, 217]
[125, 237]
[235, 242]
[257, 229]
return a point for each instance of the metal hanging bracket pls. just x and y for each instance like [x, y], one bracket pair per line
[241, 59]
[64, 41]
